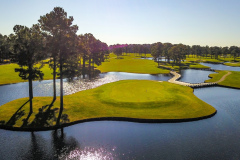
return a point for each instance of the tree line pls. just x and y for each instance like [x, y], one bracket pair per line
[175, 52]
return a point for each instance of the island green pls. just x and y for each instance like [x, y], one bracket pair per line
[137, 99]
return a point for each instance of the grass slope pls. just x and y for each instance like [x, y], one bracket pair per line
[132, 64]
[231, 80]
[142, 99]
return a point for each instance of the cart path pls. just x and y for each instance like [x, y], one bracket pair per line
[177, 76]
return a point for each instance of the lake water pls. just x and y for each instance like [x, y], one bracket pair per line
[194, 76]
[221, 67]
[212, 138]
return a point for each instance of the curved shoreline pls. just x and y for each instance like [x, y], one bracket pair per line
[121, 119]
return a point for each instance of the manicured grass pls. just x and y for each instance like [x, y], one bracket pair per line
[216, 76]
[232, 64]
[8, 74]
[203, 59]
[132, 64]
[183, 65]
[198, 66]
[142, 99]
[211, 60]
[231, 80]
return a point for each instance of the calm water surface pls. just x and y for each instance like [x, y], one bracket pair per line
[221, 67]
[194, 76]
[213, 138]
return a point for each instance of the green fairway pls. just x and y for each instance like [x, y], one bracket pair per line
[8, 74]
[210, 60]
[141, 99]
[231, 80]
[132, 64]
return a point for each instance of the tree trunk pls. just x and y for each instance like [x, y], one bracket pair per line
[61, 90]
[54, 79]
[30, 88]
[89, 67]
[84, 68]
[80, 63]
[93, 68]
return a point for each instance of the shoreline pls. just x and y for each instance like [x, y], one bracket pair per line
[120, 119]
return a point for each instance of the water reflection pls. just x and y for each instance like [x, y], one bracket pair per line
[51, 145]
[89, 153]
[84, 84]
[36, 148]
[63, 145]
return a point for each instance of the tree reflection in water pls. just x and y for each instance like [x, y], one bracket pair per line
[37, 148]
[62, 147]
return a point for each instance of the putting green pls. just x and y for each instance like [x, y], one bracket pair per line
[134, 91]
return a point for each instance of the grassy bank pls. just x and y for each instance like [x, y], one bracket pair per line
[231, 80]
[141, 99]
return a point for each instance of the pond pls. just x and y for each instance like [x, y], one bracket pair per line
[194, 76]
[212, 138]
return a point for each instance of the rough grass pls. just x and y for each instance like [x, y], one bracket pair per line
[132, 64]
[231, 80]
[142, 99]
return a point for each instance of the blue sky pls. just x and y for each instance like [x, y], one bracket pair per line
[191, 22]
